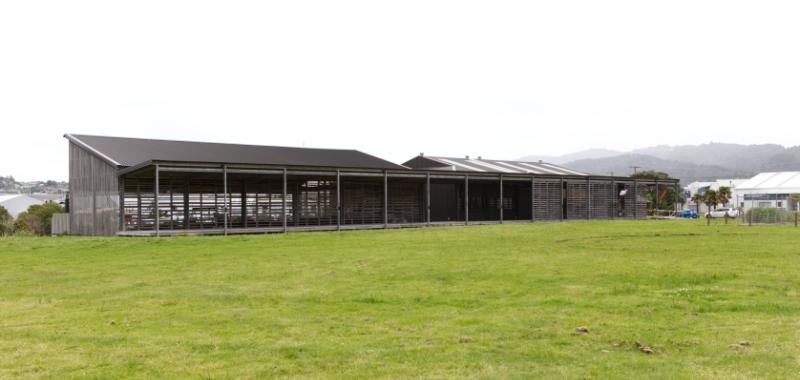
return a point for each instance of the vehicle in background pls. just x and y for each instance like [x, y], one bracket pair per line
[686, 214]
[720, 213]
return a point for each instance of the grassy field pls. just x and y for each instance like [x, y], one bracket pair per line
[468, 302]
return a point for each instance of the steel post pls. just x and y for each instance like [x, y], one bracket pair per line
[588, 199]
[614, 199]
[533, 199]
[225, 196]
[121, 203]
[466, 199]
[501, 199]
[285, 226]
[635, 200]
[563, 199]
[656, 200]
[385, 200]
[338, 203]
[158, 218]
[428, 199]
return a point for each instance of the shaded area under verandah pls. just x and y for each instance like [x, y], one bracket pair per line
[222, 200]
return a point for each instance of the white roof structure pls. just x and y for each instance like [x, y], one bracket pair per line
[783, 181]
[493, 166]
[17, 203]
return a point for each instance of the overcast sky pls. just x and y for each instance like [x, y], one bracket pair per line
[496, 79]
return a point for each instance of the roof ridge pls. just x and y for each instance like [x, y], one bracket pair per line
[216, 143]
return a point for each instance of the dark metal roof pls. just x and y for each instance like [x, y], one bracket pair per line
[124, 152]
[490, 166]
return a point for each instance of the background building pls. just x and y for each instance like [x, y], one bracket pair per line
[701, 187]
[770, 190]
[17, 203]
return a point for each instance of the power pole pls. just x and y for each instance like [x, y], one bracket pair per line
[634, 168]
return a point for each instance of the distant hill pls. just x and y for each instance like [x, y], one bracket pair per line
[584, 154]
[704, 162]
[733, 156]
[687, 172]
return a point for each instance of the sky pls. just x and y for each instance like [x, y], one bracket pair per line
[499, 79]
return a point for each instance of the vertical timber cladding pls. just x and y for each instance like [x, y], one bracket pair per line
[577, 199]
[547, 199]
[251, 203]
[602, 200]
[484, 201]
[626, 204]
[94, 196]
[362, 202]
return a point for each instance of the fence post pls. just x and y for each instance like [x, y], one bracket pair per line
[726, 217]
[750, 218]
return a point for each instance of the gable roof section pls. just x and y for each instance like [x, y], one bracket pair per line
[125, 152]
[775, 180]
[489, 166]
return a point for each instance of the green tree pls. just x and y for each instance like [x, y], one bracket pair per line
[794, 202]
[5, 216]
[668, 203]
[724, 195]
[710, 199]
[698, 198]
[43, 217]
[21, 226]
[6, 222]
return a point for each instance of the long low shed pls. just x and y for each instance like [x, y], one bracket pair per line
[142, 187]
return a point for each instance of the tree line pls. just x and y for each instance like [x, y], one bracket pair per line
[711, 198]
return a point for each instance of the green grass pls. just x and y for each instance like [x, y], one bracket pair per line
[475, 302]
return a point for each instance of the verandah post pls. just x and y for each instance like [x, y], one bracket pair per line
[466, 199]
[563, 197]
[284, 201]
[385, 199]
[588, 200]
[635, 200]
[656, 200]
[225, 196]
[501, 199]
[338, 203]
[158, 218]
[533, 199]
[428, 199]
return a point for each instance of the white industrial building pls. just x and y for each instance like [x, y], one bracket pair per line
[17, 203]
[770, 190]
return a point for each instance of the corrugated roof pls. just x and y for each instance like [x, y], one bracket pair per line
[492, 166]
[774, 180]
[126, 151]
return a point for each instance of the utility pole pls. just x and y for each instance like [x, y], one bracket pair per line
[612, 173]
[634, 168]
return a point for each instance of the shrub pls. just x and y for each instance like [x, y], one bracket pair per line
[40, 217]
[21, 226]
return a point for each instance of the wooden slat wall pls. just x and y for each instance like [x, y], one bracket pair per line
[577, 200]
[362, 203]
[405, 203]
[602, 204]
[547, 200]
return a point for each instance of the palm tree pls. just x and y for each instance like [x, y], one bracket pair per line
[710, 199]
[724, 195]
[698, 198]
